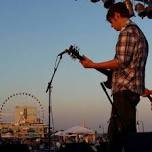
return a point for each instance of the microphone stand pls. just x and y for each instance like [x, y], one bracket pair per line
[50, 116]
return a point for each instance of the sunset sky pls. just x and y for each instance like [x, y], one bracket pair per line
[34, 32]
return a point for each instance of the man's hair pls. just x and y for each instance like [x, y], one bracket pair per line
[120, 8]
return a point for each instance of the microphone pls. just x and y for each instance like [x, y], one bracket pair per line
[65, 51]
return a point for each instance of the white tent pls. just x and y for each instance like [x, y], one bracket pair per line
[59, 133]
[79, 130]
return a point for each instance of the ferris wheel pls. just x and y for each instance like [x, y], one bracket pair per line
[21, 100]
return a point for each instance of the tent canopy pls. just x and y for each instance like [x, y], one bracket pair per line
[78, 130]
[59, 133]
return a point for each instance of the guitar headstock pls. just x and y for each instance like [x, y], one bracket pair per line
[73, 51]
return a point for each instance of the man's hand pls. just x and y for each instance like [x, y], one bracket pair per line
[147, 92]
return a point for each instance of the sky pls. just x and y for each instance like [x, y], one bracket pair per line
[34, 32]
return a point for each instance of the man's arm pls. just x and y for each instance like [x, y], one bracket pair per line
[111, 64]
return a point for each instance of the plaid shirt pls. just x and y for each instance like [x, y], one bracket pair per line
[131, 53]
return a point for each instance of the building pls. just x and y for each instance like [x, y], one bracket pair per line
[26, 114]
[26, 125]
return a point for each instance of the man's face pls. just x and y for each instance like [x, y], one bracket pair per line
[115, 22]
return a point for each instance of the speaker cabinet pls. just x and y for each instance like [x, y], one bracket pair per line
[138, 142]
[14, 148]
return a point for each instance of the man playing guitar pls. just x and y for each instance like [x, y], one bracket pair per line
[128, 74]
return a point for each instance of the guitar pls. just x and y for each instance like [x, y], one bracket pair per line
[73, 51]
